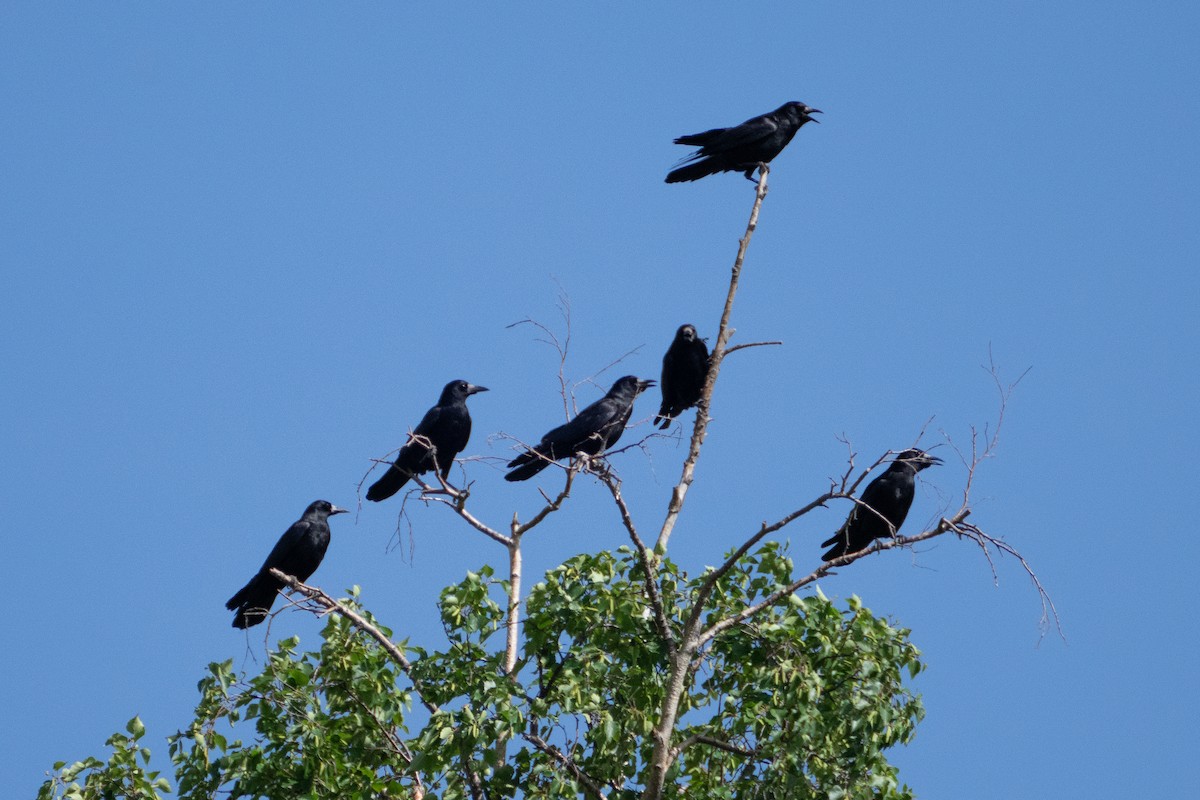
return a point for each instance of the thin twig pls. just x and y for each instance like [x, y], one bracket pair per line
[520, 529]
[1049, 611]
[743, 346]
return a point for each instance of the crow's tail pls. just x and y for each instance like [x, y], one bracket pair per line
[392, 481]
[692, 172]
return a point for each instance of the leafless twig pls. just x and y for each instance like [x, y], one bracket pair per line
[744, 345]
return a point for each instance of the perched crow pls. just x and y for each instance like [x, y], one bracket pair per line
[742, 148]
[298, 553]
[685, 366]
[593, 430]
[446, 427]
[890, 495]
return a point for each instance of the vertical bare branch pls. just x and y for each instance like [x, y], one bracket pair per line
[512, 625]
[724, 332]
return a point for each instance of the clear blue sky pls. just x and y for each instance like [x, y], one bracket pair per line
[244, 246]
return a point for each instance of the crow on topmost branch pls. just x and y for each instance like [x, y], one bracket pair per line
[743, 147]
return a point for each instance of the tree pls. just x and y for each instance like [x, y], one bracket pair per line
[617, 676]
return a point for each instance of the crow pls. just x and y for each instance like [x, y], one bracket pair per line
[887, 498]
[297, 553]
[742, 148]
[440, 435]
[593, 430]
[685, 366]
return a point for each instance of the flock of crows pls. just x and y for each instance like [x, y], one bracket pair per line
[444, 430]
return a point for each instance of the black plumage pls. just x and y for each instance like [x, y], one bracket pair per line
[297, 553]
[685, 366]
[441, 434]
[743, 147]
[593, 430]
[888, 498]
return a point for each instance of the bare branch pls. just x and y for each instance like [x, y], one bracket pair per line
[1049, 611]
[649, 560]
[737, 347]
[944, 526]
[552, 505]
[711, 580]
[562, 347]
[591, 378]
[700, 429]
[456, 499]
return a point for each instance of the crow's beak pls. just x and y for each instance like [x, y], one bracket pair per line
[933, 459]
[812, 111]
[643, 385]
[473, 389]
[336, 510]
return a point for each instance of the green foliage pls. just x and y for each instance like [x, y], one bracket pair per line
[123, 776]
[328, 723]
[816, 695]
[801, 700]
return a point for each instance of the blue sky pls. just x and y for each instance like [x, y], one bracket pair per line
[245, 246]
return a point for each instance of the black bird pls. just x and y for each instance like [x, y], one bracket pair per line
[593, 430]
[446, 427]
[890, 495]
[298, 553]
[685, 366]
[744, 147]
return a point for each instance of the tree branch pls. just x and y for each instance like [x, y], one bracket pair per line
[710, 582]
[322, 599]
[456, 499]
[551, 506]
[743, 346]
[700, 429]
[944, 526]
[648, 559]
[590, 786]
[699, 738]
[680, 661]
